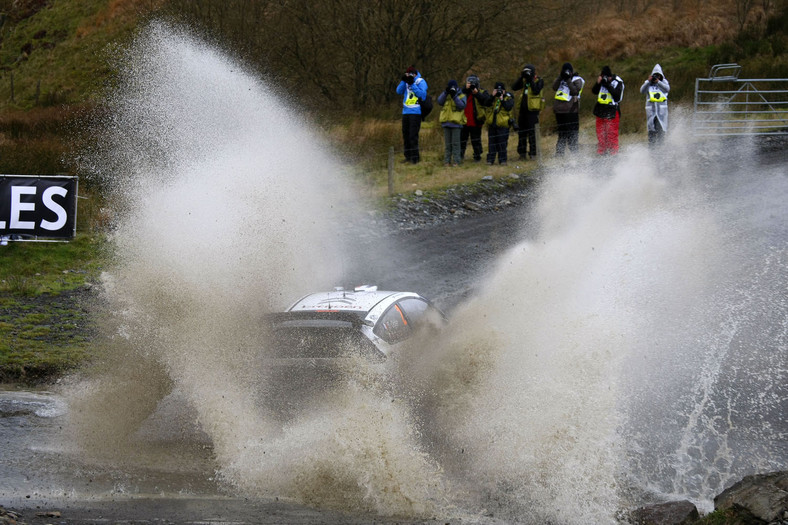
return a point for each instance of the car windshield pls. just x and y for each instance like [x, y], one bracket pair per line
[319, 338]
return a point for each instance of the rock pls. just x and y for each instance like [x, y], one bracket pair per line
[470, 205]
[670, 513]
[419, 193]
[760, 498]
[488, 178]
[9, 517]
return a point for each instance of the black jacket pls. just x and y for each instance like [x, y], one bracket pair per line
[537, 88]
[616, 88]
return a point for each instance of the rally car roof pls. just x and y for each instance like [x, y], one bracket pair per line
[362, 299]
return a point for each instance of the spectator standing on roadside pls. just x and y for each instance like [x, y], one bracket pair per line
[413, 88]
[475, 99]
[531, 104]
[657, 88]
[609, 89]
[452, 119]
[566, 106]
[499, 114]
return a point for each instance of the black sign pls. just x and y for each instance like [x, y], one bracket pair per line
[38, 206]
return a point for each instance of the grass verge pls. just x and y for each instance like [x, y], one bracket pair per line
[30, 269]
[45, 326]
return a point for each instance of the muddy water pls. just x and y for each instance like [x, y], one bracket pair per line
[622, 341]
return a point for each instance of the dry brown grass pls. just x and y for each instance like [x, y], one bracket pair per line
[432, 175]
[38, 141]
[118, 13]
[614, 35]
[365, 138]
[36, 122]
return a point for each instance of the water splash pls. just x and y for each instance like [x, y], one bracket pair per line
[633, 351]
[564, 312]
[229, 208]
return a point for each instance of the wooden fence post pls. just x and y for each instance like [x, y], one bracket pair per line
[391, 171]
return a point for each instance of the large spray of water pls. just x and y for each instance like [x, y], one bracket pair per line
[630, 350]
[229, 208]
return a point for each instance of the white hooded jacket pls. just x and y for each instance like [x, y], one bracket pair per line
[656, 109]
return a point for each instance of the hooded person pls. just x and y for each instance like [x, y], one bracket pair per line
[531, 103]
[475, 113]
[413, 89]
[609, 89]
[657, 88]
[566, 106]
[499, 118]
[452, 119]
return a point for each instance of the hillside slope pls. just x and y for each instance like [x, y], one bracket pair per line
[55, 52]
[54, 60]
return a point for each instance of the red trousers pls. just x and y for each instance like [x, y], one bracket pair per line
[607, 135]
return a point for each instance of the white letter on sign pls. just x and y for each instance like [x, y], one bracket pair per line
[18, 206]
[55, 207]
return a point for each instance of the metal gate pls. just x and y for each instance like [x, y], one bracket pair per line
[728, 105]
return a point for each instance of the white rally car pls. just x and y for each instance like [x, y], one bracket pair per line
[365, 320]
[319, 344]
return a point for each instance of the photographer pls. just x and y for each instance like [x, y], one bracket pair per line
[609, 89]
[531, 103]
[657, 88]
[413, 88]
[499, 114]
[475, 100]
[452, 118]
[566, 106]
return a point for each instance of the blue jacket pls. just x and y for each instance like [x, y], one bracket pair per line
[411, 94]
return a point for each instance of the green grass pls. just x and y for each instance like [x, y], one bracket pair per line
[66, 63]
[720, 517]
[30, 269]
[45, 327]
[41, 338]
